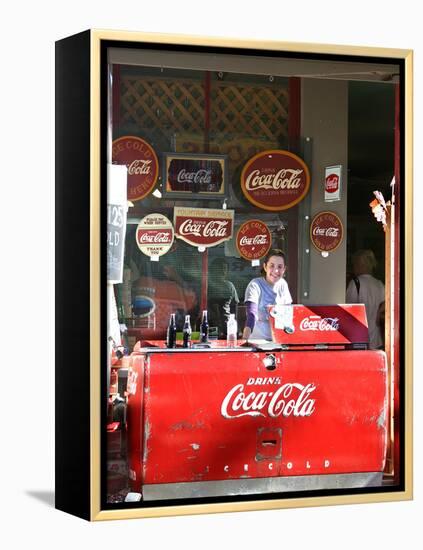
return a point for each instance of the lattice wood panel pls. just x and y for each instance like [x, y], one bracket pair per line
[178, 106]
[249, 110]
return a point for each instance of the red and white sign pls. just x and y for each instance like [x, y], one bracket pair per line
[203, 226]
[253, 240]
[141, 161]
[154, 235]
[326, 231]
[309, 325]
[275, 180]
[333, 178]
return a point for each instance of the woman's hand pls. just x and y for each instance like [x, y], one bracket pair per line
[246, 333]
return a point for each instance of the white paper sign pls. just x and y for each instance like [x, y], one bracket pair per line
[284, 315]
[116, 221]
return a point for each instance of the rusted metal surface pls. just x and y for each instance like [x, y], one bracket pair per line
[210, 416]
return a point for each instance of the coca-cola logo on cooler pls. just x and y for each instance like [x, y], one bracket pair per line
[321, 324]
[253, 240]
[141, 161]
[289, 399]
[275, 180]
[326, 231]
[154, 235]
[203, 226]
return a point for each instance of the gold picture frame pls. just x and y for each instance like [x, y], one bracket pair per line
[81, 142]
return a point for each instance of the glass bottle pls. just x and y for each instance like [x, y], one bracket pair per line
[171, 332]
[187, 331]
[204, 328]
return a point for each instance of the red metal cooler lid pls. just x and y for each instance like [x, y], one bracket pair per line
[299, 324]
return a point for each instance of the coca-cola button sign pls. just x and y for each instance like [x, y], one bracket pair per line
[203, 227]
[141, 161]
[154, 235]
[333, 183]
[275, 180]
[326, 231]
[253, 240]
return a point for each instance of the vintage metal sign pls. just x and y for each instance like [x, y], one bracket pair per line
[203, 226]
[275, 180]
[326, 231]
[253, 240]
[154, 235]
[142, 164]
[333, 181]
[194, 176]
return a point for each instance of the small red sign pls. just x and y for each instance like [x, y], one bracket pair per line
[275, 180]
[203, 226]
[253, 240]
[332, 183]
[141, 161]
[326, 231]
[154, 235]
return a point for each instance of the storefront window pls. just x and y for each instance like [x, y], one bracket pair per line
[213, 160]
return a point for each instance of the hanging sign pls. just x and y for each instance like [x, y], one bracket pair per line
[333, 179]
[253, 240]
[275, 180]
[326, 231]
[203, 227]
[116, 222]
[194, 176]
[141, 162]
[154, 235]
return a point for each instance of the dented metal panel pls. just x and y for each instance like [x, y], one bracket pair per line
[211, 416]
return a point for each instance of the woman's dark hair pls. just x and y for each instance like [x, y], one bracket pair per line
[273, 252]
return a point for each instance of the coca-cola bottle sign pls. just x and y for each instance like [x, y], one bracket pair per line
[154, 235]
[326, 231]
[275, 180]
[141, 162]
[253, 240]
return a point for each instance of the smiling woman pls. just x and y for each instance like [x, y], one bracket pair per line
[264, 291]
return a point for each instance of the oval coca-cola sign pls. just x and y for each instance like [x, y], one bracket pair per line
[141, 162]
[253, 240]
[275, 180]
[326, 231]
[154, 235]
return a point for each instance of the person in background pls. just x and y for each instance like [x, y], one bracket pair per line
[270, 289]
[366, 289]
[222, 295]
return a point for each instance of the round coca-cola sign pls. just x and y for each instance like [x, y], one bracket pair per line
[326, 231]
[154, 235]
[275, 180]
[141, 161]
[253, 240]
[332, 183]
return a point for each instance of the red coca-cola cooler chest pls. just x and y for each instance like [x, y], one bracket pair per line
[259, 419]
